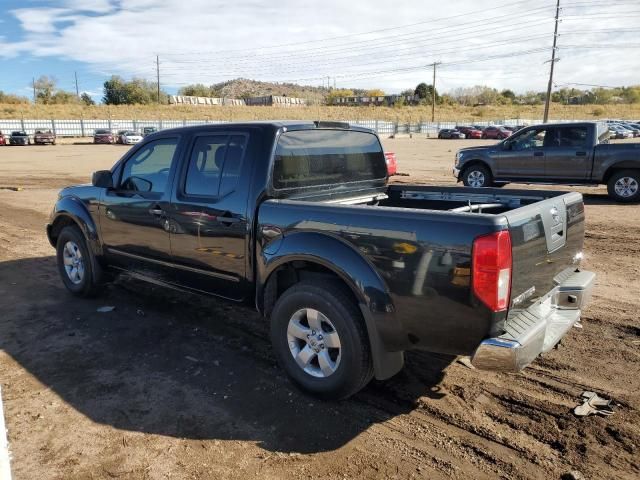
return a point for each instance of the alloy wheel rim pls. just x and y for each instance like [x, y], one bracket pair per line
[476, 178]
[314, 343]
[73, 262]
[626, 187]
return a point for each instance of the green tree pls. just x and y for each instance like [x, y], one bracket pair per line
[86, 99]
[508, 94]
[136, 91]
[196, 90]
[61, 97]
[425, 92]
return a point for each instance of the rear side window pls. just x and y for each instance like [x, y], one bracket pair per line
[572, 137]
[311, 158]
[214, 165]
[205, 165]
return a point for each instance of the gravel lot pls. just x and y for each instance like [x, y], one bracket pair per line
[178, 386]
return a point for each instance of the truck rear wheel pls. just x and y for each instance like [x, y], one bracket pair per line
[320, 340]
[624, 186]
[477, 176]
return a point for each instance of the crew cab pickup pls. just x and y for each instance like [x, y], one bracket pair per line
[562, 153]
[297, 219]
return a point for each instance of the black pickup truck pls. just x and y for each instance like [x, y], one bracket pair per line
[561, 153]
[297, 219]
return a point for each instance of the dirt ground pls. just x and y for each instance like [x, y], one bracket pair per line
[172, 386]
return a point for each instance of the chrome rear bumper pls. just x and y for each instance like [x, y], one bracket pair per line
[536, 330]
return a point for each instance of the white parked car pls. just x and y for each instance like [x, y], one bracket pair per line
[129, 137]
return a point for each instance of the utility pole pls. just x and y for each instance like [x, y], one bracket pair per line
[433, 93]
[553, 62]
[328, 83]
[158, 76]
[33, 83]
[77, 90]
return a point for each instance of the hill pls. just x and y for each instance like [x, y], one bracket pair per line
[243, 87]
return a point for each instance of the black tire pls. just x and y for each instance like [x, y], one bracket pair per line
[89, 284]
[355, 367]
[439, 137]
[472, 174]
[484, 136]
[630, 178]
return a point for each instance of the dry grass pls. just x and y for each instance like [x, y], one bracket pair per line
[404, 114]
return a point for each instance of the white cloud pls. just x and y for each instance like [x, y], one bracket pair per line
[208, 41]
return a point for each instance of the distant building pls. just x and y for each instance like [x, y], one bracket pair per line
[186, 100]
[268, 100]
[387, 100]
[275, 100]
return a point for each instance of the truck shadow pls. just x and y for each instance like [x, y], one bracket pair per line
[603, 199]
[183, 366]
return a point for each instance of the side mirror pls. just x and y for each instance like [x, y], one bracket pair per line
[102, 179]
[507, 145]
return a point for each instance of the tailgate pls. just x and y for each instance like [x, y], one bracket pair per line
[547, 239]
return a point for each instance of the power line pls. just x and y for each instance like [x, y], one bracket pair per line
[497, 7]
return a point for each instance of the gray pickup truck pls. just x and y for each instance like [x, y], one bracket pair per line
[560, 153]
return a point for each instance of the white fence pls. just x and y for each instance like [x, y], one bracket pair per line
[85, 128]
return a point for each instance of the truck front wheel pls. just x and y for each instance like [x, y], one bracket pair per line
[624, 186]
[320, 340]
[78, 270]
[477, 176]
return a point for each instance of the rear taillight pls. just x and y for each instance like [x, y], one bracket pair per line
[491, 269]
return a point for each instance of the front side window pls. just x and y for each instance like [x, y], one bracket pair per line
[528, 140]
[147, 171]
[311, 158]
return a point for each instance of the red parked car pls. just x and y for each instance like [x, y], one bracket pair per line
[3, 141]
[103, 135]
[497, 132]
[470, 132]
[392, 163]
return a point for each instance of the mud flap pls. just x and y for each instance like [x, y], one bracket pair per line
[385, 364]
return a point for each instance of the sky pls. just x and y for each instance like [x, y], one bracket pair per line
[372, 44]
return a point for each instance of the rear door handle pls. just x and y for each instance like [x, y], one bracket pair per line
[538, 154]
[581, 154]
[156, 211]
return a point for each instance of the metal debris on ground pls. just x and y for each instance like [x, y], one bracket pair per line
[192, 359]
[140, 312]
[13, 189]
[106, 309]
[466, 361]
[593, 404]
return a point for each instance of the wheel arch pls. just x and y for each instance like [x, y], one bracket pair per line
[475, 162]
[624, 165]
[71, 211]
[306, 254]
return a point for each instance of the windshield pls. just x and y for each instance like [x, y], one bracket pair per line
[102, 132]
[312, 158]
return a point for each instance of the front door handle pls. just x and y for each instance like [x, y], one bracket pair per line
[227, 219]
[156, 211]
[538, 154]
[581, 154]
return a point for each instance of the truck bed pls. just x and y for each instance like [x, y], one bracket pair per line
[420, 241]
